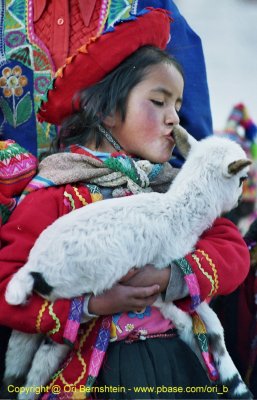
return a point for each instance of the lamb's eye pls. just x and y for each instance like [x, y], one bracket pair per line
[242, 179]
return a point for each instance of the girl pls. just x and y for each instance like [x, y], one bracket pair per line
[129, 100]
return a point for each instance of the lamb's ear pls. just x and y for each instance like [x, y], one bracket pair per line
[236, 166]
[184, 141]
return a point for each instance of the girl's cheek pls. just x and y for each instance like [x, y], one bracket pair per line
[150, 117]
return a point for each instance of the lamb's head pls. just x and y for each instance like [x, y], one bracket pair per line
[218, 163]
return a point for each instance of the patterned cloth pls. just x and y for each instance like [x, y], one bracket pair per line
[17, 167]
[199, 328]
[25, 70]
[26, 65]
[77, 164]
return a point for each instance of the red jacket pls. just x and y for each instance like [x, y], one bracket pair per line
[220, 261]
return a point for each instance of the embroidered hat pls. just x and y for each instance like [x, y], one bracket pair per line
[99, 56]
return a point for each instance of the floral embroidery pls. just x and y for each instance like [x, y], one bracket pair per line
[12, 83]
[129, 327]
[146, 312]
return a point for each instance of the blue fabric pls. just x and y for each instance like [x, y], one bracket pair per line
[185, 45]
[24, 132]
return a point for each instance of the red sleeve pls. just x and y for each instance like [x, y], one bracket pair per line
[38, 210]
[221, 260]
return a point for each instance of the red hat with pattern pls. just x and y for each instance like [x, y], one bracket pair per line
[99, 56]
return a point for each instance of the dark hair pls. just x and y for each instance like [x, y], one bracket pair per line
[109, 96]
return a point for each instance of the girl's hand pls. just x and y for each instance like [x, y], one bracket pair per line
[123, 298]
[139, 288]
[147, 276]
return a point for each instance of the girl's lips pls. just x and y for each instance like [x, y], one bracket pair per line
[170, 138]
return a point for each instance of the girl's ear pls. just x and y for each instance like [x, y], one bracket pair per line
[110, 121]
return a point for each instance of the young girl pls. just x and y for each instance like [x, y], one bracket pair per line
[129, 100]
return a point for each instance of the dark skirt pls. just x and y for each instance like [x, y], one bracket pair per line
[153, 369]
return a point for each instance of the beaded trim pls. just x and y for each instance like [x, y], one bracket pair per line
[32, 36]
[135, 337]
[108, 136]
[103, 15]
[2, 47]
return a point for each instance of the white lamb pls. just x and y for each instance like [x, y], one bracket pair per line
[94, 250]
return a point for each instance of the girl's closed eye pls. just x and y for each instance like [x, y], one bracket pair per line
[159, 103]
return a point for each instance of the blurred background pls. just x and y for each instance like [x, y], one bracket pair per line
[228, 29]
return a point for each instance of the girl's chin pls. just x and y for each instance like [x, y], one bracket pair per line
[159, 157]
[160, 160]
[164, 157]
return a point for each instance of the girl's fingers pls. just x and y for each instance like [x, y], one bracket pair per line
[132, 272]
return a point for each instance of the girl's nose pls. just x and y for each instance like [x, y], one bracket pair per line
[171, 117]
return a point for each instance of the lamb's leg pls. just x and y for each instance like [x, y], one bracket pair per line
[46, 362]
[19, 356]
[183, 323]
[229, 375]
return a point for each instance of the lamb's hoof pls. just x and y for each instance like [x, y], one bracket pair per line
[235, 388]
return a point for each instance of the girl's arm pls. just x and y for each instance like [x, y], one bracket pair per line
[28, 220]
[221, 260]
[218, 266]
[37, 211]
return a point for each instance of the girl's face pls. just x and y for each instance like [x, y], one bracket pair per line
[152, 111]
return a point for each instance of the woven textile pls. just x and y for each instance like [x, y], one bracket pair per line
[17, 168]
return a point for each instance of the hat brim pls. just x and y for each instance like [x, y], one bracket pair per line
[101, 55]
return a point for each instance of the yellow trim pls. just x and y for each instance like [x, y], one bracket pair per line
[40, 315]
[215, 274]
[56, 319]
[81, 198]
[69, 197]
[84, 366]
[205, 273]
